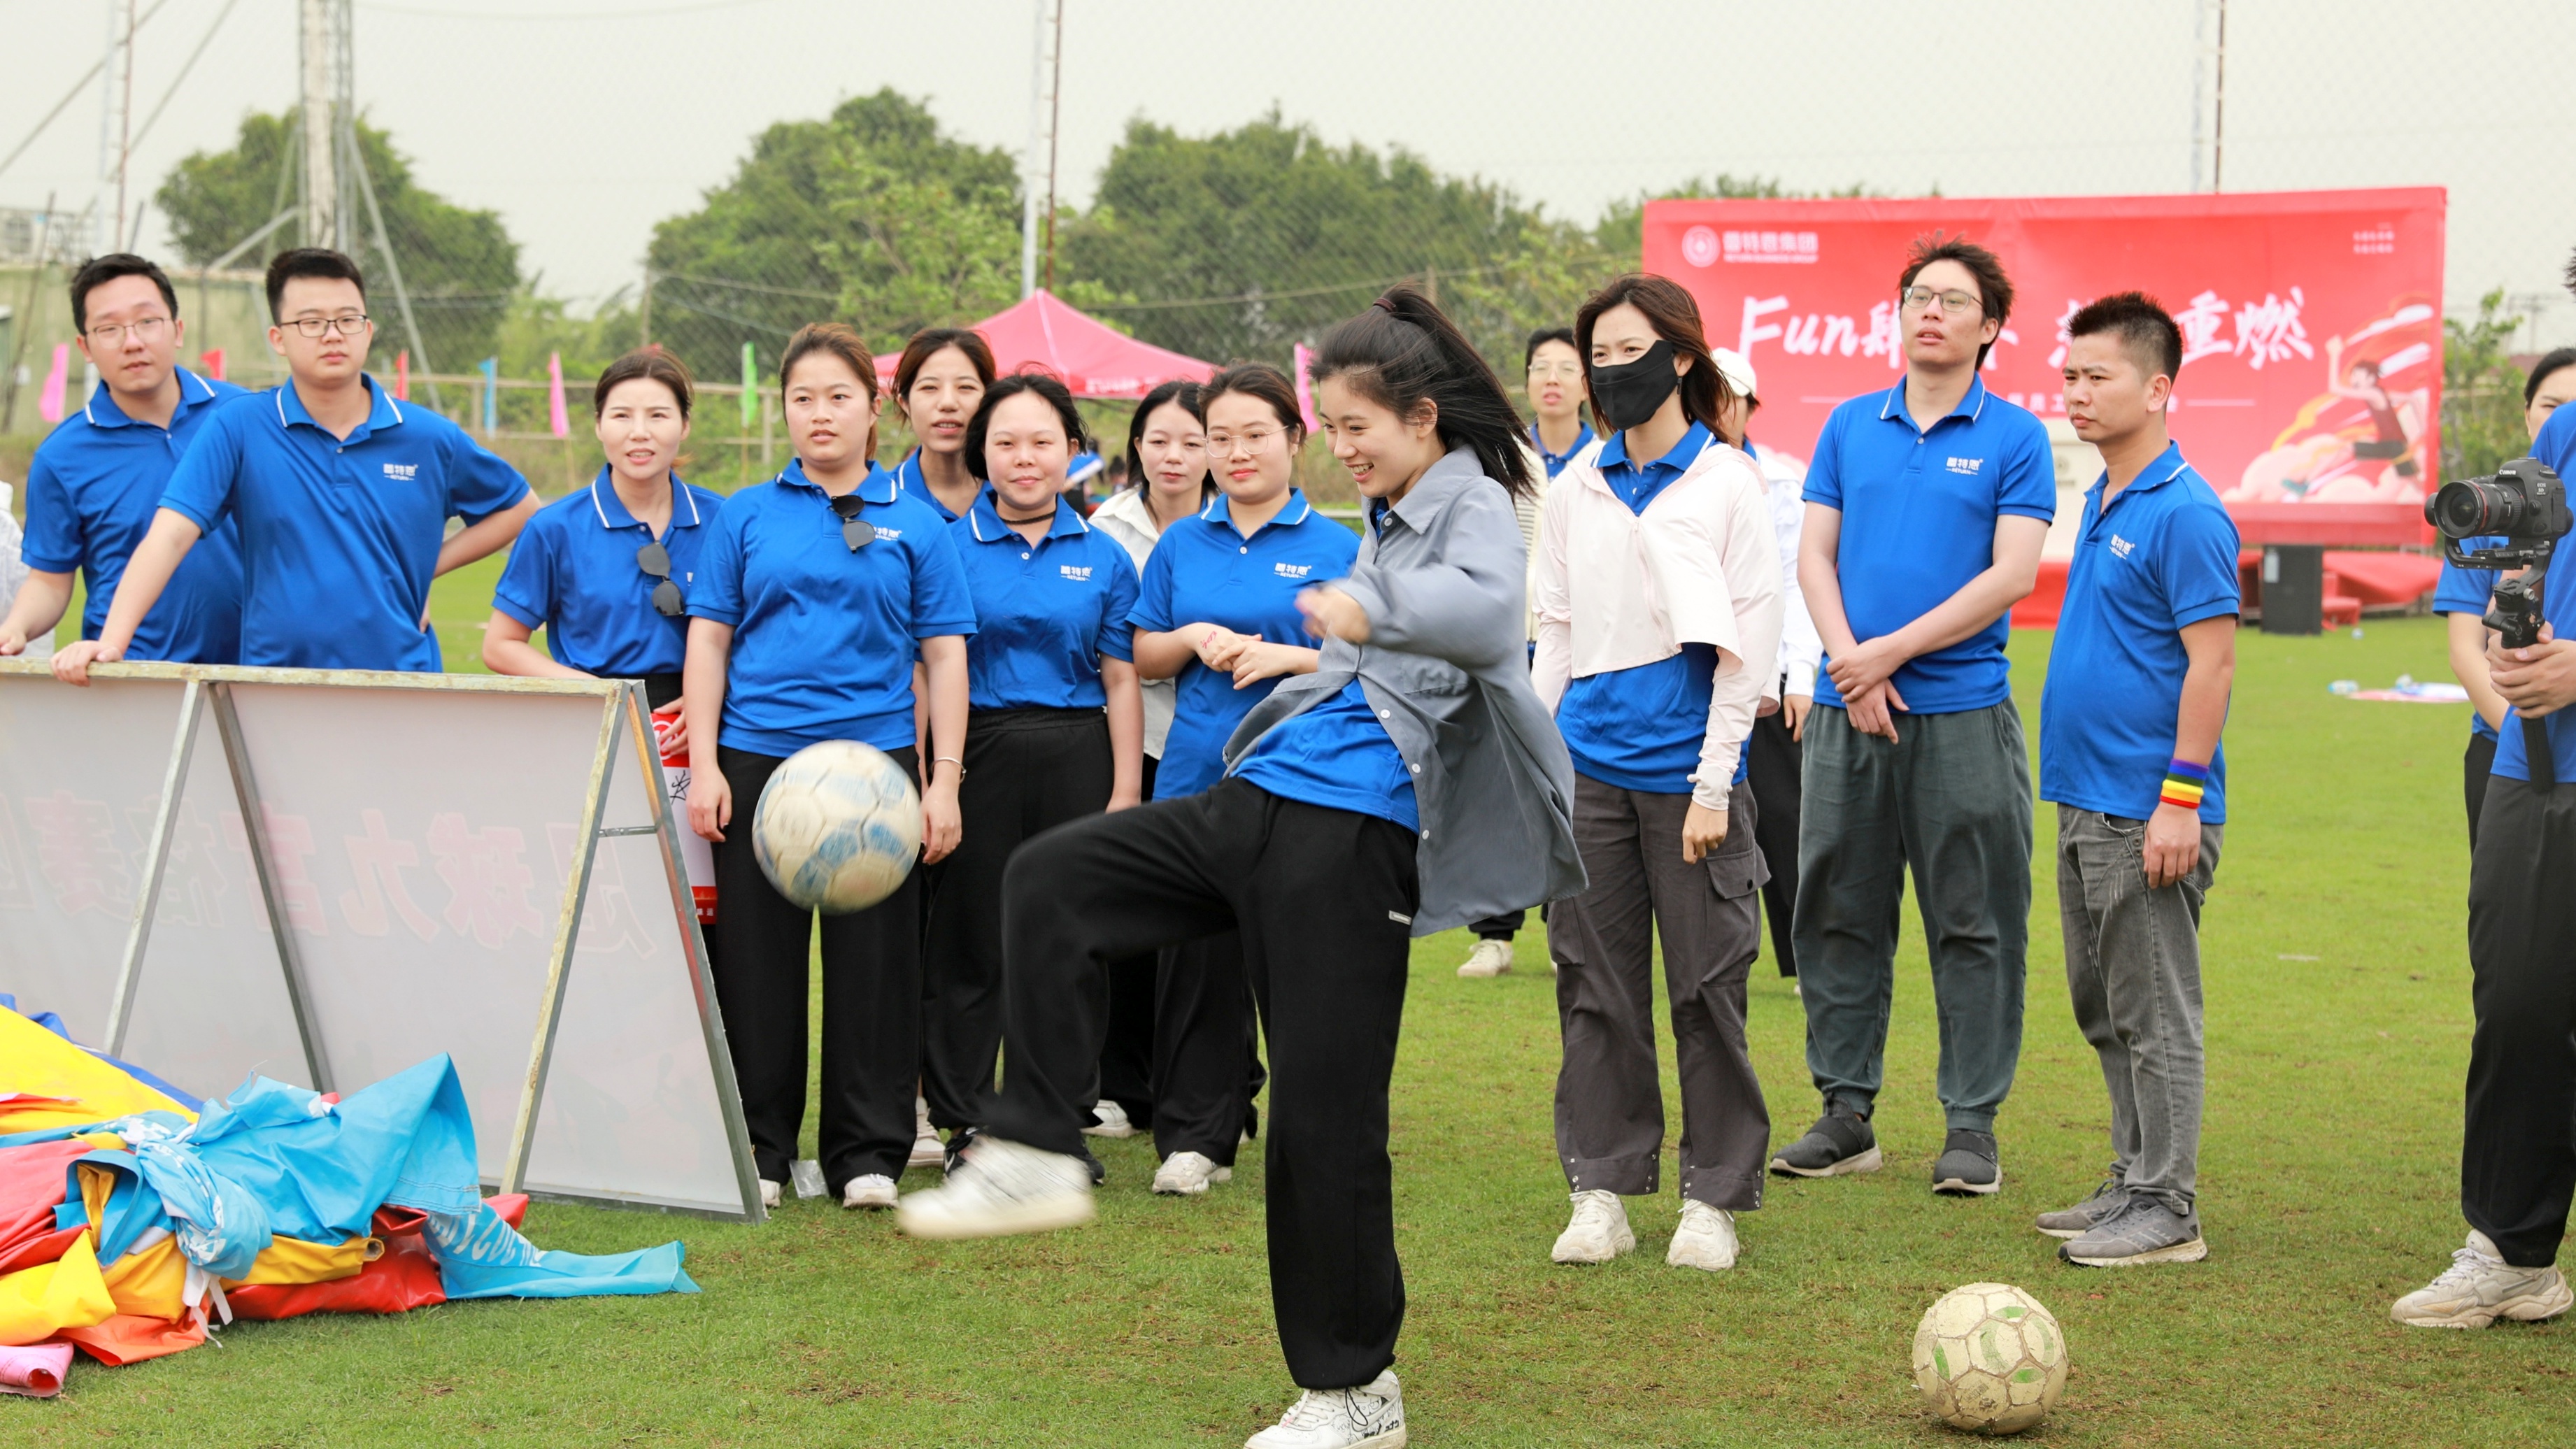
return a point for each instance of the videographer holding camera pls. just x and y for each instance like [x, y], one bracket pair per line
[2518, 1149]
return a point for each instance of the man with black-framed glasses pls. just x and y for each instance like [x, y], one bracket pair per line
[341, 493]
[96, 480]
[1926, 508]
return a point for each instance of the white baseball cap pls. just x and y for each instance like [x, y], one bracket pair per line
[1736, 368]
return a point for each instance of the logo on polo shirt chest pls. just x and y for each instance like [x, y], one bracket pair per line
[2120, 547]
[1080, 574]
[402, 472]
[1967, 466]
[1292, 571]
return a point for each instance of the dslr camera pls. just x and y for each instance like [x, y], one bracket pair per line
[2517, 515]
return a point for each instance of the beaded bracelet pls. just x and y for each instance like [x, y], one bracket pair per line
[2184, 784]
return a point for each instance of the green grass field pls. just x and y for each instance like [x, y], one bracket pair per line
[2338, 1033]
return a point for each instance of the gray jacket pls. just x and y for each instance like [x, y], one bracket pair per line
[1447, 670]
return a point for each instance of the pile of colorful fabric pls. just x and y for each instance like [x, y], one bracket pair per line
[133, 1218]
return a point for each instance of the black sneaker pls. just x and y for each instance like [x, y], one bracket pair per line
[1099, 1169]
[1839, 1143]
[1970, 1166]
[958, 1141]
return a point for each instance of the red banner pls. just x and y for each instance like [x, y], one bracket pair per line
[2312, 320]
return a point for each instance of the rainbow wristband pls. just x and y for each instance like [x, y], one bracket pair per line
[2185, 783]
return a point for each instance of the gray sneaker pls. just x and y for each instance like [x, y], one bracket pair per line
[2073, 1222]
[1839, 1143]
[2144, 1230]
[1970, 1165]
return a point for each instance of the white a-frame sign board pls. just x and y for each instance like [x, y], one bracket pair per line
[479, 866]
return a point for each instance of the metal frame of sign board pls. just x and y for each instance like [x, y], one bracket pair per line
[210, 688]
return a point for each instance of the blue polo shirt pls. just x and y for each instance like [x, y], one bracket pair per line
[1204, 571]
[1919, 509]
[2556, 446]
[908, 481]
[824, 636]
[2161, 557]
[573, 573]
[2468, 591]
[339, 536]
[1555, 462]
[1643, 728]
[92, 489]
[1046, 612]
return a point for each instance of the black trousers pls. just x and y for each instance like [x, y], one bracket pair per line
[2518, 1149]
[871, 1003]
[1324, 900]
[1772, 769]
[1027, 770]
[1207, 1048]
[1127, 1053]
[2474, 766]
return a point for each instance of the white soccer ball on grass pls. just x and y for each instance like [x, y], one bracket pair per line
[838, 827]
[1990, 1359]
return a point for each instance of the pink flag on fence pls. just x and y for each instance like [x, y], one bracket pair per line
[211, 363]
[555, 417]
[49, 403]
[1305, 390]
[402, 375]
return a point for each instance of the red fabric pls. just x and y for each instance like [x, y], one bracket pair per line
[131, 1338]
[405, 1278]
[32, 1185]
[1094, 360]
[2385, 578]
[37, 1252]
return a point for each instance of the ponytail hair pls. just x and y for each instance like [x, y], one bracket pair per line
[1403, 352]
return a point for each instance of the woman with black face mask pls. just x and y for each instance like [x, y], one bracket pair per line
[1657, 589]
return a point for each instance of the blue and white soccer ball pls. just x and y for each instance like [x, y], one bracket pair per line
[838, 828]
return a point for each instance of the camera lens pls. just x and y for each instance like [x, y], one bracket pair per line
[2474, 506]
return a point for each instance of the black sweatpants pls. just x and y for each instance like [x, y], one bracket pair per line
[1207, 1048]
[871, 1003]
[1324, 900]
[1027, 770]
[2518, 1149]
[2474, 765]
[1772, 769]
[1127, 1053]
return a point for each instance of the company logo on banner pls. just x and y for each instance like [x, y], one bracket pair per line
[2312, 327]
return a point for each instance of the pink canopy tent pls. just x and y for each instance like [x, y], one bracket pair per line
[1093, 360]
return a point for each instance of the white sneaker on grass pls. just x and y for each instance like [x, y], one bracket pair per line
[2480, 1287]
[1368, 1417]
[999, 1189]
[1599, 1231]
[1705, 1240]
[1187, 1174]
[927, 1150]
[868, 1190]
[770, 1193]
[1489, 958]
[1108, 1119]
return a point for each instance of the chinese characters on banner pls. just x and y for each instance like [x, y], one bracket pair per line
[2312, 329]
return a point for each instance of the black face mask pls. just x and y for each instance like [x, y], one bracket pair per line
[1627, 394]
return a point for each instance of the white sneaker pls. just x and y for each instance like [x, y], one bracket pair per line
[999, 1189]
[1705, 1240]
[926, 1148]
[1599, 1231]
[1363, 1418]
[770, 1193]
[1490, 958]
[868, 1190]
[1108, 1119]
[1187, 1174]
[2480, 1287]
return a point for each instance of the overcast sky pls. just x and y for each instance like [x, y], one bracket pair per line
[582, 121]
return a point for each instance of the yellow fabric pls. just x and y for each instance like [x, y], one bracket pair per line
[36, 1303]
[148, 1282]
[96, 1183]
[293, 1260]
[37, 1062]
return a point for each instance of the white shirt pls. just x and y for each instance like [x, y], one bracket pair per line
[1802, 650]
[1127, 518]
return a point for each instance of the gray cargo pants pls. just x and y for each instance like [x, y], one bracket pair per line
[2133, 969]
[1951, 800]
[1609, 1099]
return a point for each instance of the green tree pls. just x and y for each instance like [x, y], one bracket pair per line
[2481, 393]
[872, 216]
[460, 265]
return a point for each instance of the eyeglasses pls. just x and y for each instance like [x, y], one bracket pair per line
[856, 531]
[1572, 371]
[1258, 440]
[1953, 303]
[655, 560]
[109, 334]
[316, 326]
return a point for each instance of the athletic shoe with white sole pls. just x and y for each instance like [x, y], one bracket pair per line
[2144, 1230]
[1108, 1119]
[2480, 1287]
[868, 1190]
[999, 1189]
[1840, 1142]
[1598, 1232]
[1705, 1240]
[1368, 1417]
[926, 1148]
[1490, 958]
[770, 1193]
[2106, 1199]
[1970, 1166]
[1187, 1174]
